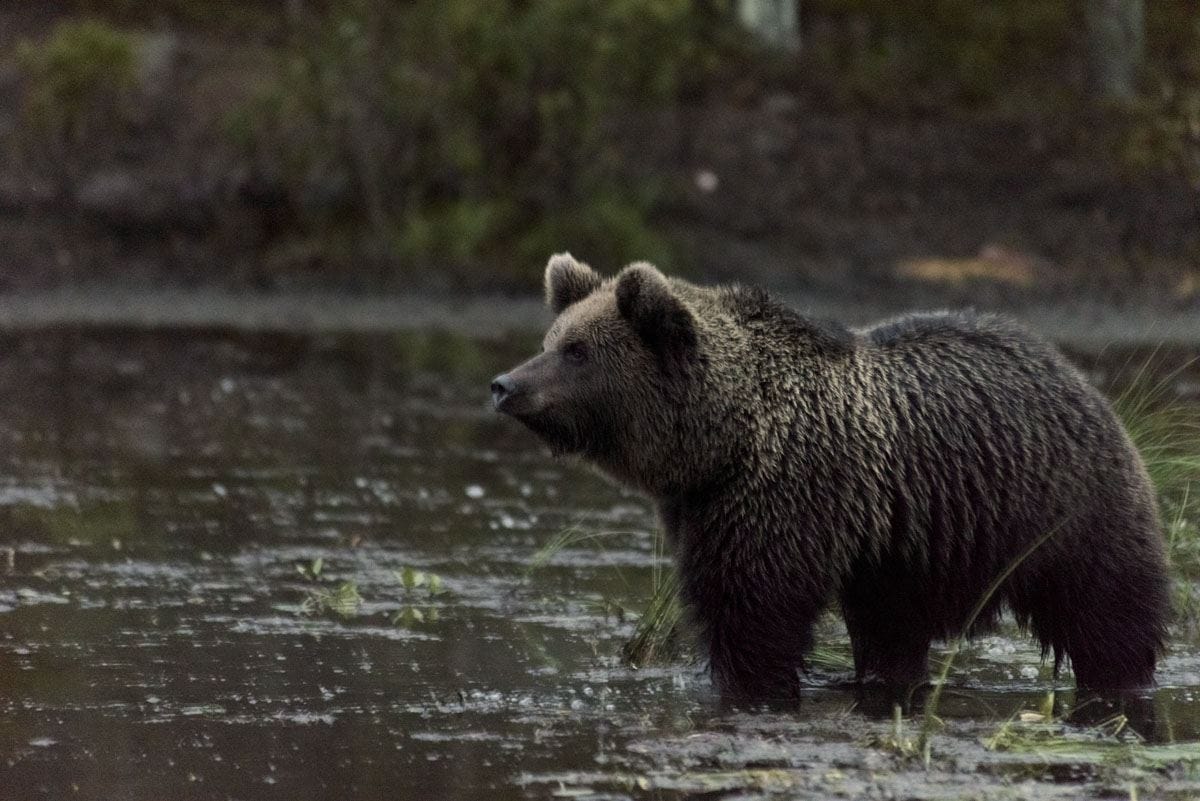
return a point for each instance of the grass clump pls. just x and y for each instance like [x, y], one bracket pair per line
[897, 741]
[1167, 434]
[1042, 733]
[1111, 746]
[569, 537]
[657, 636]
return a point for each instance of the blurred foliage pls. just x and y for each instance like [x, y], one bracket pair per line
[939, 56]
[469, 139]
[478, 133]
[255, 14]
[462, 141]
[929, 53]
[1163, 133]
[79, 84]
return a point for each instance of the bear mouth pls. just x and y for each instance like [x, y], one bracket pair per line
[562, 438]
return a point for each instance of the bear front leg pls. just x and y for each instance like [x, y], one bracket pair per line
[750, 665]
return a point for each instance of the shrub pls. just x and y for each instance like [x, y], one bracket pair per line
[229, 16]
[929, 53]
[478, 133]
[79, 79]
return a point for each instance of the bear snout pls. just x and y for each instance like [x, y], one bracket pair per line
[503, 387]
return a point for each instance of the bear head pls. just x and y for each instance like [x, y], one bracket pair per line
[617, 368]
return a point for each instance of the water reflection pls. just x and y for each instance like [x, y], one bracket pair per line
[159, 493]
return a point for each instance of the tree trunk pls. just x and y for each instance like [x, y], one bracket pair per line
[1116, 37]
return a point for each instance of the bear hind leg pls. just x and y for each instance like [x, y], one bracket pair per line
[1111, 639]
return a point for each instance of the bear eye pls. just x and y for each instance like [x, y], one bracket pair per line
[575, 353]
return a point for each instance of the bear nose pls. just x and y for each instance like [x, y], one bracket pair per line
[502, 386]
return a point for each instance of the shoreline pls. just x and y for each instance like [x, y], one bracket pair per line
[1081, 324]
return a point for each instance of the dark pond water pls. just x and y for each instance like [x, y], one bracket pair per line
[160, 494]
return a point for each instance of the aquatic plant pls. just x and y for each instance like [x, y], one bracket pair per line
[417, 610]
[1043, 732]
[343, 601]
[1110, 747]
[311, 571]
[412, 579]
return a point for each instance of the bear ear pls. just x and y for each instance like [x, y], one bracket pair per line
[568, 281]
[645, 299]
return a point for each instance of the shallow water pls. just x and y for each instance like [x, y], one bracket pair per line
[160, 493]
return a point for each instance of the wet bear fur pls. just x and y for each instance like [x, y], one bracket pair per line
[896, 471]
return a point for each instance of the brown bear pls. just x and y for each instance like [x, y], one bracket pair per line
[898, 471]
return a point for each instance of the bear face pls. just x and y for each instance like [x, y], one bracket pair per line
[614, 364]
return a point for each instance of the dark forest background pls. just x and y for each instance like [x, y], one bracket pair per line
[1008, 149]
